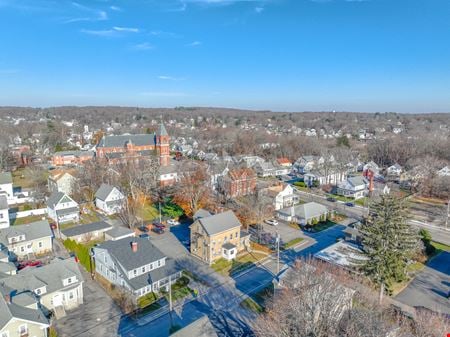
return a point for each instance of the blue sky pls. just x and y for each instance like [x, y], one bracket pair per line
[373, 55]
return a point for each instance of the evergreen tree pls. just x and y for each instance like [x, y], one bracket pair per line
[389, 242]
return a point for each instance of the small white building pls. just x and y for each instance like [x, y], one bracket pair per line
[444, 172]
[394, 170]
[109, 199]
[284, 198]
[62, 208]
[6, 185]
[332, 177]
[4, 212]
[353, 187]
[304, 213]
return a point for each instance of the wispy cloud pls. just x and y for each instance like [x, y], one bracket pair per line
[126, 29]
[113, 32]
[164, 34]
[115, 8]
[164, 94]
[171, 78]
[92, 14]
[259, 9]
[143, 46]
[194, 44]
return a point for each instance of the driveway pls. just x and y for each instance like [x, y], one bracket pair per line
[286, 232]
[430, 287]
[97, 316]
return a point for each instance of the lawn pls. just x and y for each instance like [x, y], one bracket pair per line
[89, 218]
[82, 252]
[26, 220]
[242, 262]
[148, 212]
[21, 179]
[440, 247]
[340, 197]
[251, 305]
[292, 243]
[321, 226]
[362, 201]
[147, 300]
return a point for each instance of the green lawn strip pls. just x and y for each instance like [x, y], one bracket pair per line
[440, 247]
[251, 305]
[323, 225]
[148, 213]
[81, 251]
[293, 243]
[146, 300]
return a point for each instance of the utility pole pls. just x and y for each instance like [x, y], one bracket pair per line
[447, 214]
[170, 293]
[160, 221]
[278, 253]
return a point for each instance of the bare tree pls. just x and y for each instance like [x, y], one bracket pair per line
[128, 213]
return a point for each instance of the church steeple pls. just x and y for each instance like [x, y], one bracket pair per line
[163, 144]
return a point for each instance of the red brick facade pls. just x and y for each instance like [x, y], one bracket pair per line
[239, 182]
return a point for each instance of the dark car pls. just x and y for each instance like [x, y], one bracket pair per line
[145, 235]
[331, 199]
[159, 225]
[158, 230]
[349, 204]
[143, 229]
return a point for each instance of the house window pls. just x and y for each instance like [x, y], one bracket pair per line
[40, 244]
[134, 272]
[236, 235]
[69, 280]
[231, 236]
[143, 269]
[22, 249]
[38, 291]
[70, 295]
[159, 263]
[23, 329]
[151, 266]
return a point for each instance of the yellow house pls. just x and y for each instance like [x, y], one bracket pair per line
[217, 236]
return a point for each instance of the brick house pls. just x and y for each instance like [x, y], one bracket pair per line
[238, 182]
[71, 157]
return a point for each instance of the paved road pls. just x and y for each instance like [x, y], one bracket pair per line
[438, 234]
[221, 303]
[430, 287]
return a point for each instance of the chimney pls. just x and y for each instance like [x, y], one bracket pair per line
[134, 246]
[8, 298]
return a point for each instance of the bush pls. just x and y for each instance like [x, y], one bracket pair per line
[81, 251]
[300, 184]
[426, 239]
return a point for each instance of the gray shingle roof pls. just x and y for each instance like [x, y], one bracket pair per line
[54, 198]
[88, 228]
[6, 178]
[9, 311]
[357, 180]
[122, 140]
[117, 232]
[306, 211]
[202, 327]
[103, 192]
[50, 275]
[32, 231]
[121, 251]
[201, 213]
[3, 202]
[220, 222]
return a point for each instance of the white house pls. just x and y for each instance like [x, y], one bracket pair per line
[284, 198]
[6, 185]
[332, 177]
[4, 212]
[353, 187]
[304, 213]
[22, 240]
[62, 181]
[394, 170]
[62, 208]
[372, 166]
[109, 199]
[58, 285]
[305, 164]
[135, 265]
[444, 172]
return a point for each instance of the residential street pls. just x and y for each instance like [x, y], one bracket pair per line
[431, 287]
[221, 303]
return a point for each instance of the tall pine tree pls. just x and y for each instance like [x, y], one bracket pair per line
[389, 242]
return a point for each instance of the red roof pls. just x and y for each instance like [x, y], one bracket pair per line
[282, 161]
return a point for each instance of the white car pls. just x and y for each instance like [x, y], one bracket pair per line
[173, 222]
[272, 222]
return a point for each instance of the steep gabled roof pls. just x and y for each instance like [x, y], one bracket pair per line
[56, 197]
[9, 311]
[161, 130]
[104, 191]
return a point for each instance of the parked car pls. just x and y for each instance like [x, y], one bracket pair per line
[158, 230]
[349, 204]
[143, 229]
[25, 264]
[331, 199]
[159, 225]
[145, 235]
[272, 222]
[173, 222]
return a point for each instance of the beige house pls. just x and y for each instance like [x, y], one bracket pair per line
[23, 241]
[218, 236]
[62, 181]
[17, 320]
